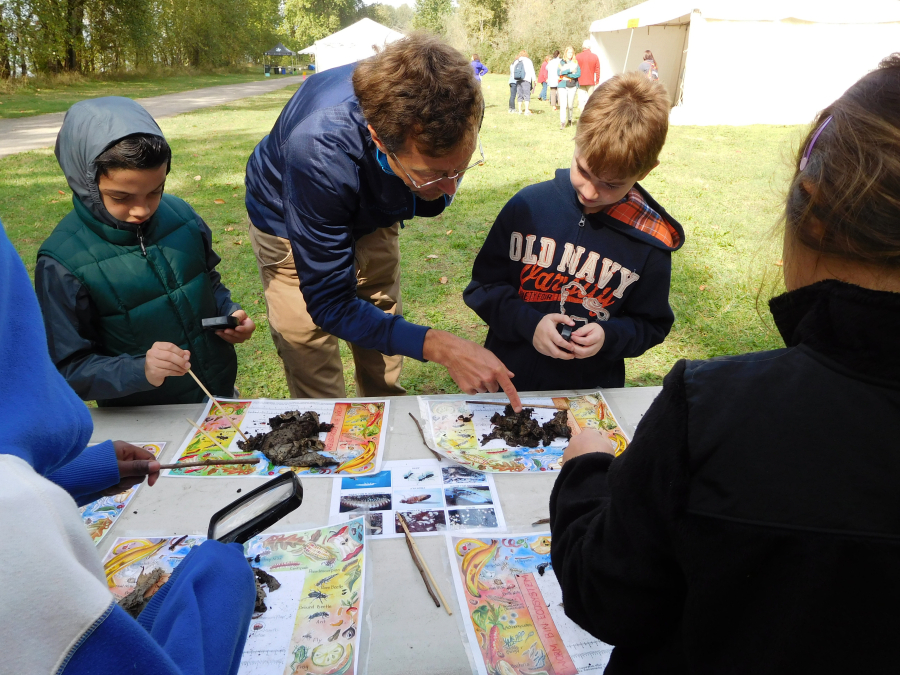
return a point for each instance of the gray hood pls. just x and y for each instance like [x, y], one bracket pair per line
[89, 129]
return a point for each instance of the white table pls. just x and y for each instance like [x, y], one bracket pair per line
[405, 632]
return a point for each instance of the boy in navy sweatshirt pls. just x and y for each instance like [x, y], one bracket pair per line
[590, 250]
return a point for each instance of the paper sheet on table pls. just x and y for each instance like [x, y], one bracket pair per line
[433, 496]
[318, 625]
[508, 583]
[100, 515]
[356, 442]
[450, 431]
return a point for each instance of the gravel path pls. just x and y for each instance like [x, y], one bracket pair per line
[28, 133]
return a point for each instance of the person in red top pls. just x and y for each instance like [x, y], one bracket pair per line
[542, 78]
[590, 74]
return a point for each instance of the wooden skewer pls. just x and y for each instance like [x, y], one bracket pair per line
[414, 549]
[210, 462]
[422, 433]
[437, 603]
[524, 405]
[216, 403]
[221, 447]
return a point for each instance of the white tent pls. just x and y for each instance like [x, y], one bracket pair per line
[353, 43]
[760, 62]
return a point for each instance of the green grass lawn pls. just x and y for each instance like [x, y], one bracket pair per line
[723, 184]
[49, 96]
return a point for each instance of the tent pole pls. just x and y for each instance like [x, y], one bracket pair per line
[628, 51]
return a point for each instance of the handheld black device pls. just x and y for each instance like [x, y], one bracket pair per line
[246, 517]
[565, 331]
[220, 323]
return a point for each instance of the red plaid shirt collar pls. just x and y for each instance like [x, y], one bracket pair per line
[633, 210]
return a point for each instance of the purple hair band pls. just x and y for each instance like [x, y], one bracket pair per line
[809, 148]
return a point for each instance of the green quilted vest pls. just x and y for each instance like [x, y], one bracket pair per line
[141, 299]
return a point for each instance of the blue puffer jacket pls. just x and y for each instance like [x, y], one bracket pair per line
[318, 180]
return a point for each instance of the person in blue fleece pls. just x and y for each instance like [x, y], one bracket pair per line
[57, 614]
[590, 250]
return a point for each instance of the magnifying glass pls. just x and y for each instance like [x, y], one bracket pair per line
[254, 512]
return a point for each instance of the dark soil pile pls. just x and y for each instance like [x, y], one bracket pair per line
[263, 578]
[293, 440]
[519, 429]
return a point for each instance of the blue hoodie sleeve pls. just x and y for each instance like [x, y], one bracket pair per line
[647, 318]
[86, 476]
[493, 293]
[320, 184]
[195, 624]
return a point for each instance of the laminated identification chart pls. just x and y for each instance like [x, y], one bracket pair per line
[311, 624]
[456, 428]
[100, 515]
[356, 442]
[516, 624]
[433, 497]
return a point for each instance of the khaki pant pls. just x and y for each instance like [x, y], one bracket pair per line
[553, 96]
[311, 357]
[584, 93]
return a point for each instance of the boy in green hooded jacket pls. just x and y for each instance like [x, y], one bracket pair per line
[127, 276]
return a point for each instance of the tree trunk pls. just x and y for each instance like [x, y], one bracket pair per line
[74, 34]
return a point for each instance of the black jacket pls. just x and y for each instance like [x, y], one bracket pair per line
[753, 525]
[542, 254]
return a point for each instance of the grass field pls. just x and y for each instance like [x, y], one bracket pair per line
[43, 95]
[722, 183]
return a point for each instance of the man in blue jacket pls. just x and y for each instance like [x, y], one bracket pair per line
[357, 150]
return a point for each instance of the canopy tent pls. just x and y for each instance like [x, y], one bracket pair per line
[359, 41]
[735, 62]
[280, 50]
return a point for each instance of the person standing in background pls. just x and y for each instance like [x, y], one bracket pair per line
[569, 72]
[542, 78]
[524, 75]
[553, 78]
[479, 68]
[512, 87]
[648, 66]
[590, 74]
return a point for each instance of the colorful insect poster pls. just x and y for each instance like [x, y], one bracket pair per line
[432, 496]
[516, 623]
[312, 624]
[100, 515]
[356, 441]
[455, 428]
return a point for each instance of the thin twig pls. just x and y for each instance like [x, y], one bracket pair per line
[209, 436]
[418, 553]
[412, 553]
[210, 462]
[542, 521]
[422, 433]
[561, 406]
[216, 403]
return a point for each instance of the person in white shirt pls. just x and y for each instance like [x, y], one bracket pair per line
[523, 83]
[553, 78]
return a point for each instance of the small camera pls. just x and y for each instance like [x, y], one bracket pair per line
[565, 331]
[220, 323]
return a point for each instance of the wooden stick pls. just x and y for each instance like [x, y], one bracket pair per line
[412, 543]
[221, 447]
[216, 403]
[542, 521]
[524, 405]
[210, 462]
[437, 603]
[422, 433]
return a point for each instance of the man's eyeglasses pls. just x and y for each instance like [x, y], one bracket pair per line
[453, 176]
